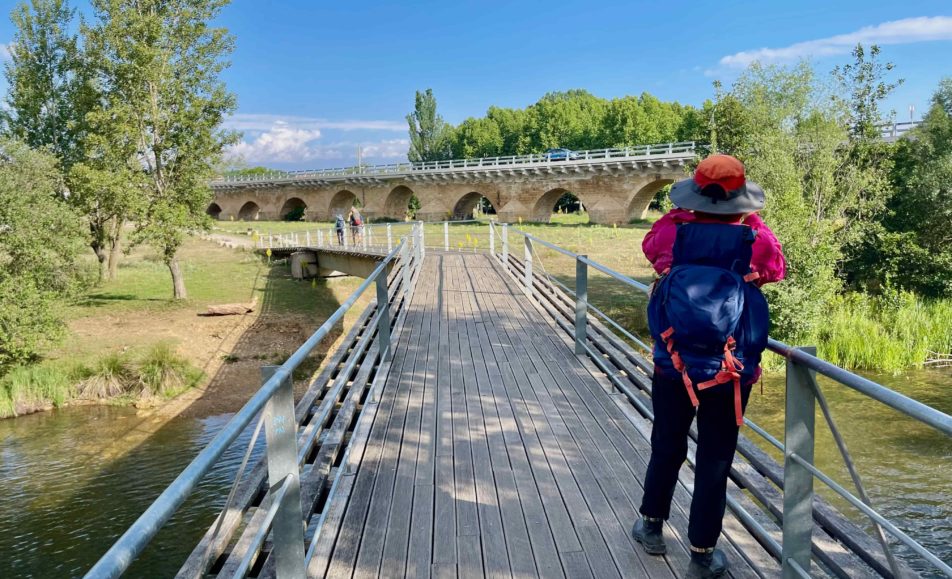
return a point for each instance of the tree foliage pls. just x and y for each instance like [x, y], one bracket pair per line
[913, 248]
[160, 117]
[50, 89]
[574, 119]
[429, 134]
[40, 239]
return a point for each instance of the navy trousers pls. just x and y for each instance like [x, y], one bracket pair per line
[717, 440]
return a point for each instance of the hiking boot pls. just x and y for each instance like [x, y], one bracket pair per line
[710, 563]
[648, 532]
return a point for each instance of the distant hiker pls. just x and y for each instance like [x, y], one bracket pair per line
[356, 225]
[339, 227]
[709, 322]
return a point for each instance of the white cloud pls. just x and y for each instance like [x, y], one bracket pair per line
[905, 31]
[285, 143]
[388, 149]
[280, 143]
[264, 122]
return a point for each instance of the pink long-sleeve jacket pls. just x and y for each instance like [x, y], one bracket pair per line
[767, 259]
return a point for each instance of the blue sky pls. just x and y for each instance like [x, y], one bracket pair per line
[316, 79]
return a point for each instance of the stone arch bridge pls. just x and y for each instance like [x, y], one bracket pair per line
[614, 185]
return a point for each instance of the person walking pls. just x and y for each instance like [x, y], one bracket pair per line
[709, 322]
[356, 225]
[339, 228]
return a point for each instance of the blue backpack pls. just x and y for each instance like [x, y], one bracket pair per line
[708, 321]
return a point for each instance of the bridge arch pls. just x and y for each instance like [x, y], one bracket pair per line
[638, 207]
[465, 205]
[397, 204]
[341, 203]
[214, 211]
[545, 205]
[249, 211]
[294, 208]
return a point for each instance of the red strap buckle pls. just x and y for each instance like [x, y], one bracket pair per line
[752, 276]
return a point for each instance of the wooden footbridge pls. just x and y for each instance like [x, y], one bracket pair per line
[479, 420]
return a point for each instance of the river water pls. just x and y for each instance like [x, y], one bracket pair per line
[74, 479]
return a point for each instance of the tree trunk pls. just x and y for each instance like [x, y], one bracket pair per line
[115, 248]
[100, 252]
[178, 281]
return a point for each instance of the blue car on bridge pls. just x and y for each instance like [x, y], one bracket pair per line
[560, 155]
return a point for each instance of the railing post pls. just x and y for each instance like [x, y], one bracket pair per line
[418, 241]
[307, 238]
[798, 481]
[581, 304]
[383, 321]
[492, 238]
[270, 241]
[446, 236]
[389, 238]
[505, 246]
[405, 258]
[362, 232]
[281, 436]
[320, 238]
[528, 266]
[348, 230]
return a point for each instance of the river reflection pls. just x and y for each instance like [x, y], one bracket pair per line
[64, 502]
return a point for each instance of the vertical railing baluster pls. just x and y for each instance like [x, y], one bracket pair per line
[383, 321]
[405, 258]
[797, 481]
[528, 266]
[389, 238]
[505, 246]
[446, 236]
[492, 238]
[320, 238]
[281, 436]
[581, 304]
[307, 238]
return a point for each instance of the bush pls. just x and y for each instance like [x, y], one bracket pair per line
[26, 388]
[111, 375]
[39, 248]
[164, 372]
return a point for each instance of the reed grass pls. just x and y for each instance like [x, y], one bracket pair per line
[889, 333]
[157, 371]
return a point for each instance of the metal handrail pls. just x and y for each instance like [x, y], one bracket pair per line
[800, 537]
[581, 157]
[124, 551]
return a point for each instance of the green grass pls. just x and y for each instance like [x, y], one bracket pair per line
[886, 333]
[130, 339]
[157, 371]
[164, 372]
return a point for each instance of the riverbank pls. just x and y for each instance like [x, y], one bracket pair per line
[890, 334]
[129, 343]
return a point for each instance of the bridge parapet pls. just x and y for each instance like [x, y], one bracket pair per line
[591, 160]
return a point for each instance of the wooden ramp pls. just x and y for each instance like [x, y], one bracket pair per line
[495, 451]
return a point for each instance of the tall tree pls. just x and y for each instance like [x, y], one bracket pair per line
[51, 92]
[429, 133]
[163, 106]
[48, 95]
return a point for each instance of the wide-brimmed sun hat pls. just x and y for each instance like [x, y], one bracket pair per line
[719, 186]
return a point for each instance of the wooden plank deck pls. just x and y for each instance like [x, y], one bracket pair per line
[495, 451]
